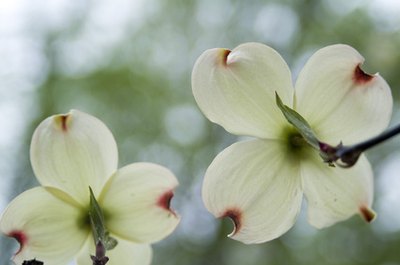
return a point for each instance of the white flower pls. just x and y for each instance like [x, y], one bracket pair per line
[260, 183]
[69, 153]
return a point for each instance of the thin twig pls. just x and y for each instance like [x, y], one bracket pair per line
[347, 156]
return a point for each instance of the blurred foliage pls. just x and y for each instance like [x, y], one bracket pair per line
[135, 76]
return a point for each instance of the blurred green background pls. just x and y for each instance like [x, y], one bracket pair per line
[128, 62]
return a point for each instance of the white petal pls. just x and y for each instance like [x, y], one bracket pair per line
[136, 201]
[46, 226]
[72, 152]
[341, 102]
[335, 194]
[257, 186]
[236, 89]
[125, 253]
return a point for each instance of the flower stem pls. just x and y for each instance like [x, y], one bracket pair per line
[376, 140]
[100, 258]
[347, 156]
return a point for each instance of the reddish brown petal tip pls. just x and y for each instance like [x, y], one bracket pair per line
[62, 121]
[360, 77]
[164, 201]
[236, 216]
[20, 237]
[224, 57]
[367, 214]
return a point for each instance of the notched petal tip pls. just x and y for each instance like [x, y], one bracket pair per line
[235, 215]
[367, 214]
[21, 237]
[164, 201]
[360, 77]
[223, 57]
[62, 121]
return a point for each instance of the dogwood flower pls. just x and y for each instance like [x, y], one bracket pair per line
[260, 183]
[69, 154]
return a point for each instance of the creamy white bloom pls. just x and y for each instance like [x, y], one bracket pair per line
[260, 183]
[69, 153]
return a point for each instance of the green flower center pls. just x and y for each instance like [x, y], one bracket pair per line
[295, 144]
[296, 141]
[84, 220]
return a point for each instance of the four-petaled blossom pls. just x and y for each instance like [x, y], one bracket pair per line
[69, 154]
[260, 183]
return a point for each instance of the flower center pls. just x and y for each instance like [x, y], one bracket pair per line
[296, 141]
[84, 220]
[295, 144]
